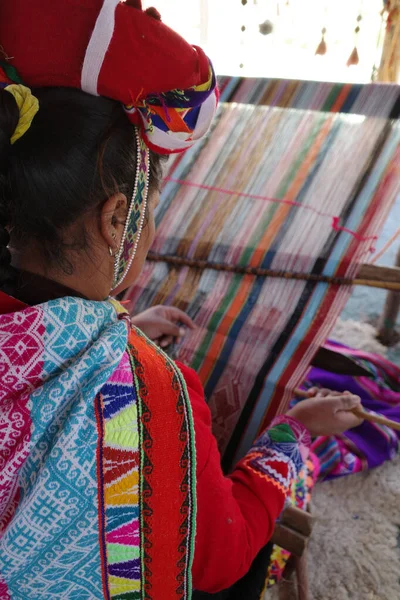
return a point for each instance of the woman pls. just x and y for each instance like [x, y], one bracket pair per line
[110, 478]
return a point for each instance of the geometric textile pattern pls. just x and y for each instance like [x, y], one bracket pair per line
[277, 190]
[21, 365]
[277, 454]
[167, 486]
[50, 546]
[119, 472]
[98, 465]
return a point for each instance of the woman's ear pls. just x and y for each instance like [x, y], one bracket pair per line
[112, 220]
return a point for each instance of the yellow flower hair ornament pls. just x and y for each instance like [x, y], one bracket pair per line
[28, 106]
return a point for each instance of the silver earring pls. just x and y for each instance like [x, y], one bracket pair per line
[110, 250]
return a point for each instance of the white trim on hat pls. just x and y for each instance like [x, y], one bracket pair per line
[98, 46]
[206, 116]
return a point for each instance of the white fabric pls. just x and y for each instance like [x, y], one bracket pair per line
[98, 46]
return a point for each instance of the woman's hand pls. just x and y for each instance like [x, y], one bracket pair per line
[327, 413]
[163, 324]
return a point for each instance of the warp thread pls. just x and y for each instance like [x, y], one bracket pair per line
[335, 220]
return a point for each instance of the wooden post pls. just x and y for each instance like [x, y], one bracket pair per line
[290, 540]
[293, 530]
[295, 588]
[297, 519]
[303, 588]
[287, 587]
[387, 334]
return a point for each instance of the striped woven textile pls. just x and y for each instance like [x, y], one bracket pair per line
[372, 100]
[280, 179]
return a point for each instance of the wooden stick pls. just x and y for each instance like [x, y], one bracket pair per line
[297, 519]
[379, 273]
[360, 412]
[288, 539]
[287, 588]
[383, 285]
[376, 418]
[387, 333]
[303, 586]
[369, 275]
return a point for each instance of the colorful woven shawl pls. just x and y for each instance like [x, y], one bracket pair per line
[85, 499]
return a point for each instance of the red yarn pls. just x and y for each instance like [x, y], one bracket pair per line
[335, 224]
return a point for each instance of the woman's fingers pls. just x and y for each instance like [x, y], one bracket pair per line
[159, 322]
[347, 402]
[351, 420]
[345, 405]
[165, 341]
[323, 392]
[168, 328]
[175, 314]
[327, 415]
[312, 392]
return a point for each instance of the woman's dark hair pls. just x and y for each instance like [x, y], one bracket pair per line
[79, 150]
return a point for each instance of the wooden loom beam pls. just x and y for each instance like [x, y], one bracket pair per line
[297, 519]
[293, 530]
[381, 275]
[369, 275]
[387, 325]
[290, 540]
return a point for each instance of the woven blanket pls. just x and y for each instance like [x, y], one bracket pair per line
[373, 100]
[282, 190]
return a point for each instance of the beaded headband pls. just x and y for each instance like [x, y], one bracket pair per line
[136, 214]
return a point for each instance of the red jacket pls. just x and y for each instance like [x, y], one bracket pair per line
[236, 514]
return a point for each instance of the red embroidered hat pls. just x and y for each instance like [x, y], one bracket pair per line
[115, 49]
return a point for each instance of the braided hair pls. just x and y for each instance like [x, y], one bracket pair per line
[79, 150]
[9, 115]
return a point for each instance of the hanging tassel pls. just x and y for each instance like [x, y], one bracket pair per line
[266, 28]
[353, 58]
[322, 47]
